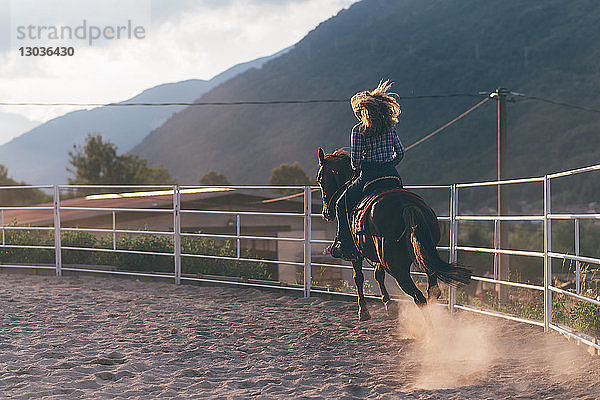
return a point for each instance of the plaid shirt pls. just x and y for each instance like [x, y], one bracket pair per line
[381, 148]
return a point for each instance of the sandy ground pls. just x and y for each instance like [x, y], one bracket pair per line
[104, 337]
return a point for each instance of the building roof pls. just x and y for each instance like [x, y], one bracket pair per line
[196, 198]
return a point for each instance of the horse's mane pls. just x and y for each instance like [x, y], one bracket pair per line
[339, 154]
[341, 159]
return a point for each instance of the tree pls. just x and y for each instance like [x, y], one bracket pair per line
[289, 174]
[4, 178]
[18, 197]
[138, 170]
[97, 162]
[214, 178]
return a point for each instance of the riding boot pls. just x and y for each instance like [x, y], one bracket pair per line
[343, 246]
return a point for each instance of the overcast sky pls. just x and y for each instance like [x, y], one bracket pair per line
[182, 39]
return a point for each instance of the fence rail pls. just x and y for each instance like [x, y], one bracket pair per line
[307, 241]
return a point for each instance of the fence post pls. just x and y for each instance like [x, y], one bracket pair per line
[238, 232]
[307, 238]
[177, 233]
[453, 232]
[547, 258]
[577, 262]
[496, 243]
[57, 242]
[114, 226]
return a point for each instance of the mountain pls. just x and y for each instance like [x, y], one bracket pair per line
[40, 155]
[12, 125]
[546, 49]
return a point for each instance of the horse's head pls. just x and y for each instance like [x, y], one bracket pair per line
[335, 170]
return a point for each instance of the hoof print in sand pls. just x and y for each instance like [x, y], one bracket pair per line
[64, 365]
[110, 359]
[190, 373]
[52, 354]
[29, 370]
[109, 376]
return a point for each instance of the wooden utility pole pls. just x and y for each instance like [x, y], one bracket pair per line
[502, 233]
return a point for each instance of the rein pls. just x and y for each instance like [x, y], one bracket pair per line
[336, 195]
[342, 187]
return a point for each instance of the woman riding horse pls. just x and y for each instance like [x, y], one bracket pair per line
[395, 227]
[375, 151]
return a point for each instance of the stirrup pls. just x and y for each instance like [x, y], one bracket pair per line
[336, 252]
[327, 250]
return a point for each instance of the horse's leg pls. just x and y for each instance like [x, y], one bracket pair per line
[359, 279]
[390, 305]
[408, 285]
[433, 290]
[397, 259]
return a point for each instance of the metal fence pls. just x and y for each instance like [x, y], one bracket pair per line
[453, 247]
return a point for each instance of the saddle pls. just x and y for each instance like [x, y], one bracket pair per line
[382, 184]
[404, 197]
[376, 187]
[371, 192]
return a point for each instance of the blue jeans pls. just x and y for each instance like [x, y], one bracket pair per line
[353, 195]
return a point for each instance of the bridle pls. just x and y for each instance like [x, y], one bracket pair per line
[336, 195]
[334, 198]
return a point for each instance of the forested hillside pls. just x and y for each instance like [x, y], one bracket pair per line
[546, 49]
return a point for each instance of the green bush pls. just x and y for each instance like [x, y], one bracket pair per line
[525, 303]
[12, 255]
[577, 314]
[143, 262]
[129, 261]
[77, 239]
[196, 265]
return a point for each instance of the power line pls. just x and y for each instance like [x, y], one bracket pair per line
[440, 96]
[448, 124]
[407, 148]
[216, 103]
[563, 104]
[226, 103]
[271, 102]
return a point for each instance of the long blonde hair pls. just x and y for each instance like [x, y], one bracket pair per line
[377, 110]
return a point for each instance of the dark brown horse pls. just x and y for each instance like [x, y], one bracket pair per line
[399, 229]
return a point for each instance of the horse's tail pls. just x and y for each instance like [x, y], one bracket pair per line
[426, 254]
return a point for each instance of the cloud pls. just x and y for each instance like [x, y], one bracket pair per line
[187, 39]
[165, 10]
[4, 25]
[73, 22]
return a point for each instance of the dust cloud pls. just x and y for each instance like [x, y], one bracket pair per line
[469, 351]
[451, 351]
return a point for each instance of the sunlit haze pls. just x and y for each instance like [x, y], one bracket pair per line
[185, 40]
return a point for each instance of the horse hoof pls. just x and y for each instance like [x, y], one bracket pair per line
[363, 314]
[433, 293]
[392, 309]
